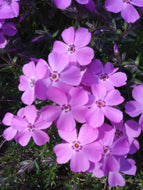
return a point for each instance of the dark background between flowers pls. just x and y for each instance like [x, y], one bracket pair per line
[39, 24]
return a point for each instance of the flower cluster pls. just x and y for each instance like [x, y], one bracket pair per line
[8, 10]
[84, 96]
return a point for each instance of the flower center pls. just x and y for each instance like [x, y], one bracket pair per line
[71, 49]
[104, 77]
[76, 145]
[54, 76]
[32, 82]
[66, 108]
[31, 128]
[118, 133]
[107, 151]
[100, 103]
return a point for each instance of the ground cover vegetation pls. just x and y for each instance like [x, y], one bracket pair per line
[71, 106]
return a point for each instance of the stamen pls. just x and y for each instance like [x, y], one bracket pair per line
[76, 145]
[66, 108]
[71, 49]
[100, 103]
[104, 77]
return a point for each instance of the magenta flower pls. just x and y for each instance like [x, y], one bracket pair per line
[30, 126]
[135, 107]
[63, 4]
[112, 148]
[107, 75]
[75, 45]
[60, 74]
[79, 150]
[27, 81]
[102, 106]
[70, 107]
[130, 129]
[8, 29]
[9, 9]
[128, 12]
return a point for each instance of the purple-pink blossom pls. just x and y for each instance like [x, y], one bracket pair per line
[102, 105]
[31, 73]
[61, 74]
[79, 149]
[107, 75]
[75, 45]
[30, 125]
[8, 29]
[126, 7]
[9, 9]
[70, 107]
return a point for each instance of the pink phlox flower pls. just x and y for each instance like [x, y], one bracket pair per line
[75, 45]
[127, 166]
[80, 150]
[30, 125]
[32, 73]
[70, 107]
[8, 29]
[63, 4]
[131, 129]
[112, 149]
[102, 105]
[135, 107]
[61, 74]
[126, 7]
[107, 75]
[9, 9]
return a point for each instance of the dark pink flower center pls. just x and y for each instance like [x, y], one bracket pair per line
[100, 103]
[31, 128]
[118, 133]
[104, 77]
[107, 151]
[54, 76]
[66, 108]
[32, 82]
[71, 49]
[76, 145]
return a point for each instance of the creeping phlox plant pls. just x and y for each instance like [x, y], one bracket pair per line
[85, 102]
[82, 99]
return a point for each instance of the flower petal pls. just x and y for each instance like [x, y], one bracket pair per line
[68, 35]
[115, 178]
[113, 114]
[62, 4]
[9, 29]
[66, 122]
[87, 134]
[9, 133]
[63, 152]
[129, 13]
[114, 6]
[40, 137]
[7, 119]
[84, 55]
[82, 37]
[79, 162]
